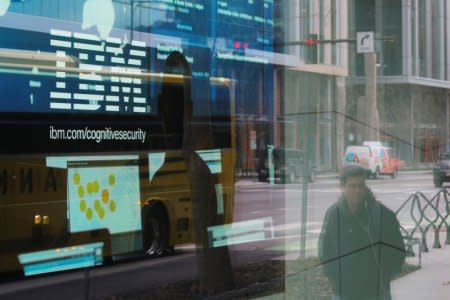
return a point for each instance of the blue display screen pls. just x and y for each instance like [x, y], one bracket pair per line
[62, 259]
[96, 77]
[243, 24]
[101, 61]
[79, 73]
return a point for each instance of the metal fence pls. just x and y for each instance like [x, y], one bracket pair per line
[426, 214]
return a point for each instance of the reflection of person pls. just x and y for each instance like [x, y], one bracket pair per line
[174, 108]
[182, 133]
[360, 245]
[175, 103]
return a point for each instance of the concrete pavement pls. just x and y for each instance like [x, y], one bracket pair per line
[432, 281]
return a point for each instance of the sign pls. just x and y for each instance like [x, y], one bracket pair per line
[364, 42]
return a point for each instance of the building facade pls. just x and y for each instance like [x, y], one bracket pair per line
[133, 130]
[411, 41]
[311, 110]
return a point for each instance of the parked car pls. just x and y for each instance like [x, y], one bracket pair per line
[288, 165]
[441, 170]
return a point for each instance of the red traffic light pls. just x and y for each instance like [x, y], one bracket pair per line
[311, 42]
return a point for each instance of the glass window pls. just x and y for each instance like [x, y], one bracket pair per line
[224, 149]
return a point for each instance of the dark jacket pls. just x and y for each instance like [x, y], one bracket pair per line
[361, 252]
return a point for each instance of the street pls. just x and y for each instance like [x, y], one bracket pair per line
[283, 203]
[254, 200]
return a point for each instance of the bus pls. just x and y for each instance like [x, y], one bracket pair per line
[89, 172]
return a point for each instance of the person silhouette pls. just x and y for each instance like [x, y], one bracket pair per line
[183, 134]
[360, 245]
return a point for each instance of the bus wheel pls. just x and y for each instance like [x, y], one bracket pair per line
[156, 232]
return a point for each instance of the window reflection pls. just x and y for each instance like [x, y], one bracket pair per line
[211, 134]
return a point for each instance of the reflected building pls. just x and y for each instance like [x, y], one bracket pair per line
[312, 82]
[116, 151]
[411, 43]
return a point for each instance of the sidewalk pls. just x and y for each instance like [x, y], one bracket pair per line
[432, 281]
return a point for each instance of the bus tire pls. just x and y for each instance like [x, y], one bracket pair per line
[156, 231]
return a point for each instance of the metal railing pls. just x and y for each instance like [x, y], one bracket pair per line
[426, 214]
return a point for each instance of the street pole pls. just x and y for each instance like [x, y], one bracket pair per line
[341, 100]
[304, 215]
[367, 108]
[304, 201]
[372, 131]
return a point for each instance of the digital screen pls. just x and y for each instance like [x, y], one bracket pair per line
[179, 16]
[88, 75]
[243, 24]
[97, 72]
[103, 194]
[248, 24]
[79, 73]
[199, 60]
[121, 92]
[62, 259]
[92, 76]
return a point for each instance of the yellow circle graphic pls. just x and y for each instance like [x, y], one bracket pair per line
[95, 186]
[112, 179]
[100, 212]
[80, 192]
[76, 178]
[83, 205]
[112, 206]
[97, 204]
[89, 214]
[90, 188]
[105, 196]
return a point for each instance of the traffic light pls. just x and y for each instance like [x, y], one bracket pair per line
[311, 48]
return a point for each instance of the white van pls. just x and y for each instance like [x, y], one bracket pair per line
[373, 156]
[385, 163]
[361, 156]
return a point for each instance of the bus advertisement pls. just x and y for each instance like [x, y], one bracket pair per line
[90, 170]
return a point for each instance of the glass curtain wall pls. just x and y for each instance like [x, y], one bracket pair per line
[257, 149]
